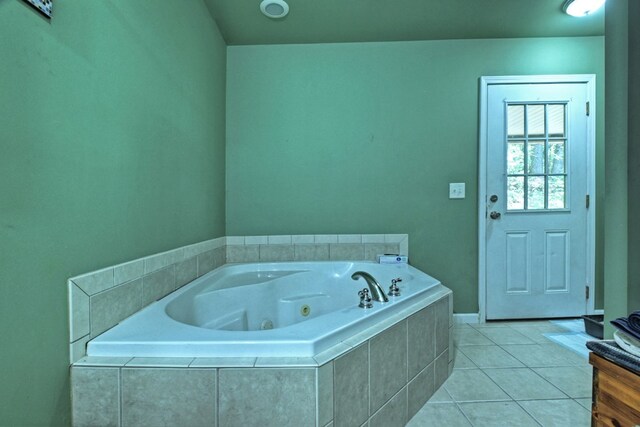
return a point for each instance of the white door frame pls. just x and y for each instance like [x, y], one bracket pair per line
[485, 82]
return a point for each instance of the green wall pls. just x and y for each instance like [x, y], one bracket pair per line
[617, 237]
[111, 148]
[365, 137]
[634, 156]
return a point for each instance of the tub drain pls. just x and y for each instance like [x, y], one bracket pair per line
[305, 310]
[266, 324]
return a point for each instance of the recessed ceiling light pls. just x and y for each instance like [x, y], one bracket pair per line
[274, 8]
[582, 7]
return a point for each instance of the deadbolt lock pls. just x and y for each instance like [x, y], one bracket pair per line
[493, 198]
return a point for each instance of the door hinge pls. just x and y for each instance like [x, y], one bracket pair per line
[586, 292]
[588, 201]
[588, 108]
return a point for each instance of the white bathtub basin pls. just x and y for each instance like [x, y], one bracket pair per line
[261, 310]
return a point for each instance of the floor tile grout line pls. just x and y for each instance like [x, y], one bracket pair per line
[455, 349]
[550, 383]
[483, 370]
[530, 400]
[554, 366]
[501, 388]
[494, 401]
[497, 343]
[520, 360]
[490, 400]
[491, 367]
[529, 413]
[586, 362]
[543, 378]
[526, 367]
[463, 414]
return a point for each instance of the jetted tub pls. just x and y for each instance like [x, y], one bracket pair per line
[295, 309]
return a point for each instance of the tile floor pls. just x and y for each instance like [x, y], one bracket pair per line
[510, 374]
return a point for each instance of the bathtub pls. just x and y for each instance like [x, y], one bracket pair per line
[295, 309]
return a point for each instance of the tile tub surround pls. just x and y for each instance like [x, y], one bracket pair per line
[382, 376]
[101, 299]
[322, 247]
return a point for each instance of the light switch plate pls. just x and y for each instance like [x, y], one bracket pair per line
[456, 190]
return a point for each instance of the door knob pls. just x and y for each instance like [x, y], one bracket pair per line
[494, 215]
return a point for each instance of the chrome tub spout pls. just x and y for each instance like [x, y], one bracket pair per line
[376, 290]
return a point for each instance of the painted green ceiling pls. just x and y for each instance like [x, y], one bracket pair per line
[334, 21]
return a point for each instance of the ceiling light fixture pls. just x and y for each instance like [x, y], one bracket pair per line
[581, 7]
[274, 8]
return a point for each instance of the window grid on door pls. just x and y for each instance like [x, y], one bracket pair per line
[536, 139]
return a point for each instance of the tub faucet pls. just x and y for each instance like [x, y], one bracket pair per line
[376, 291]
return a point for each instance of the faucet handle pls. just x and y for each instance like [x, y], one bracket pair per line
[394, 290]
[365, 299]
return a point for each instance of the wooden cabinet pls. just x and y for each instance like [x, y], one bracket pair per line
[616, 394]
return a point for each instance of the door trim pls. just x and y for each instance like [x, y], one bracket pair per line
[485, 82]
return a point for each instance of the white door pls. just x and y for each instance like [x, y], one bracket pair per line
[537, 200]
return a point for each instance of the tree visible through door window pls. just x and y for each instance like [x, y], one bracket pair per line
[536, 138]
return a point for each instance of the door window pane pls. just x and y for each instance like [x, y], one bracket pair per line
[535, 192]
[535, 157]
[515, 157]
[515, 121]
[535, 120]
[515, 192]
[556, 156]
[556, 192]
[556, 118]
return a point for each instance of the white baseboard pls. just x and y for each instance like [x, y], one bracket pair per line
[459, 318]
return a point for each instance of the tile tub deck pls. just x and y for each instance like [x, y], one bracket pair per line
[381, 376]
